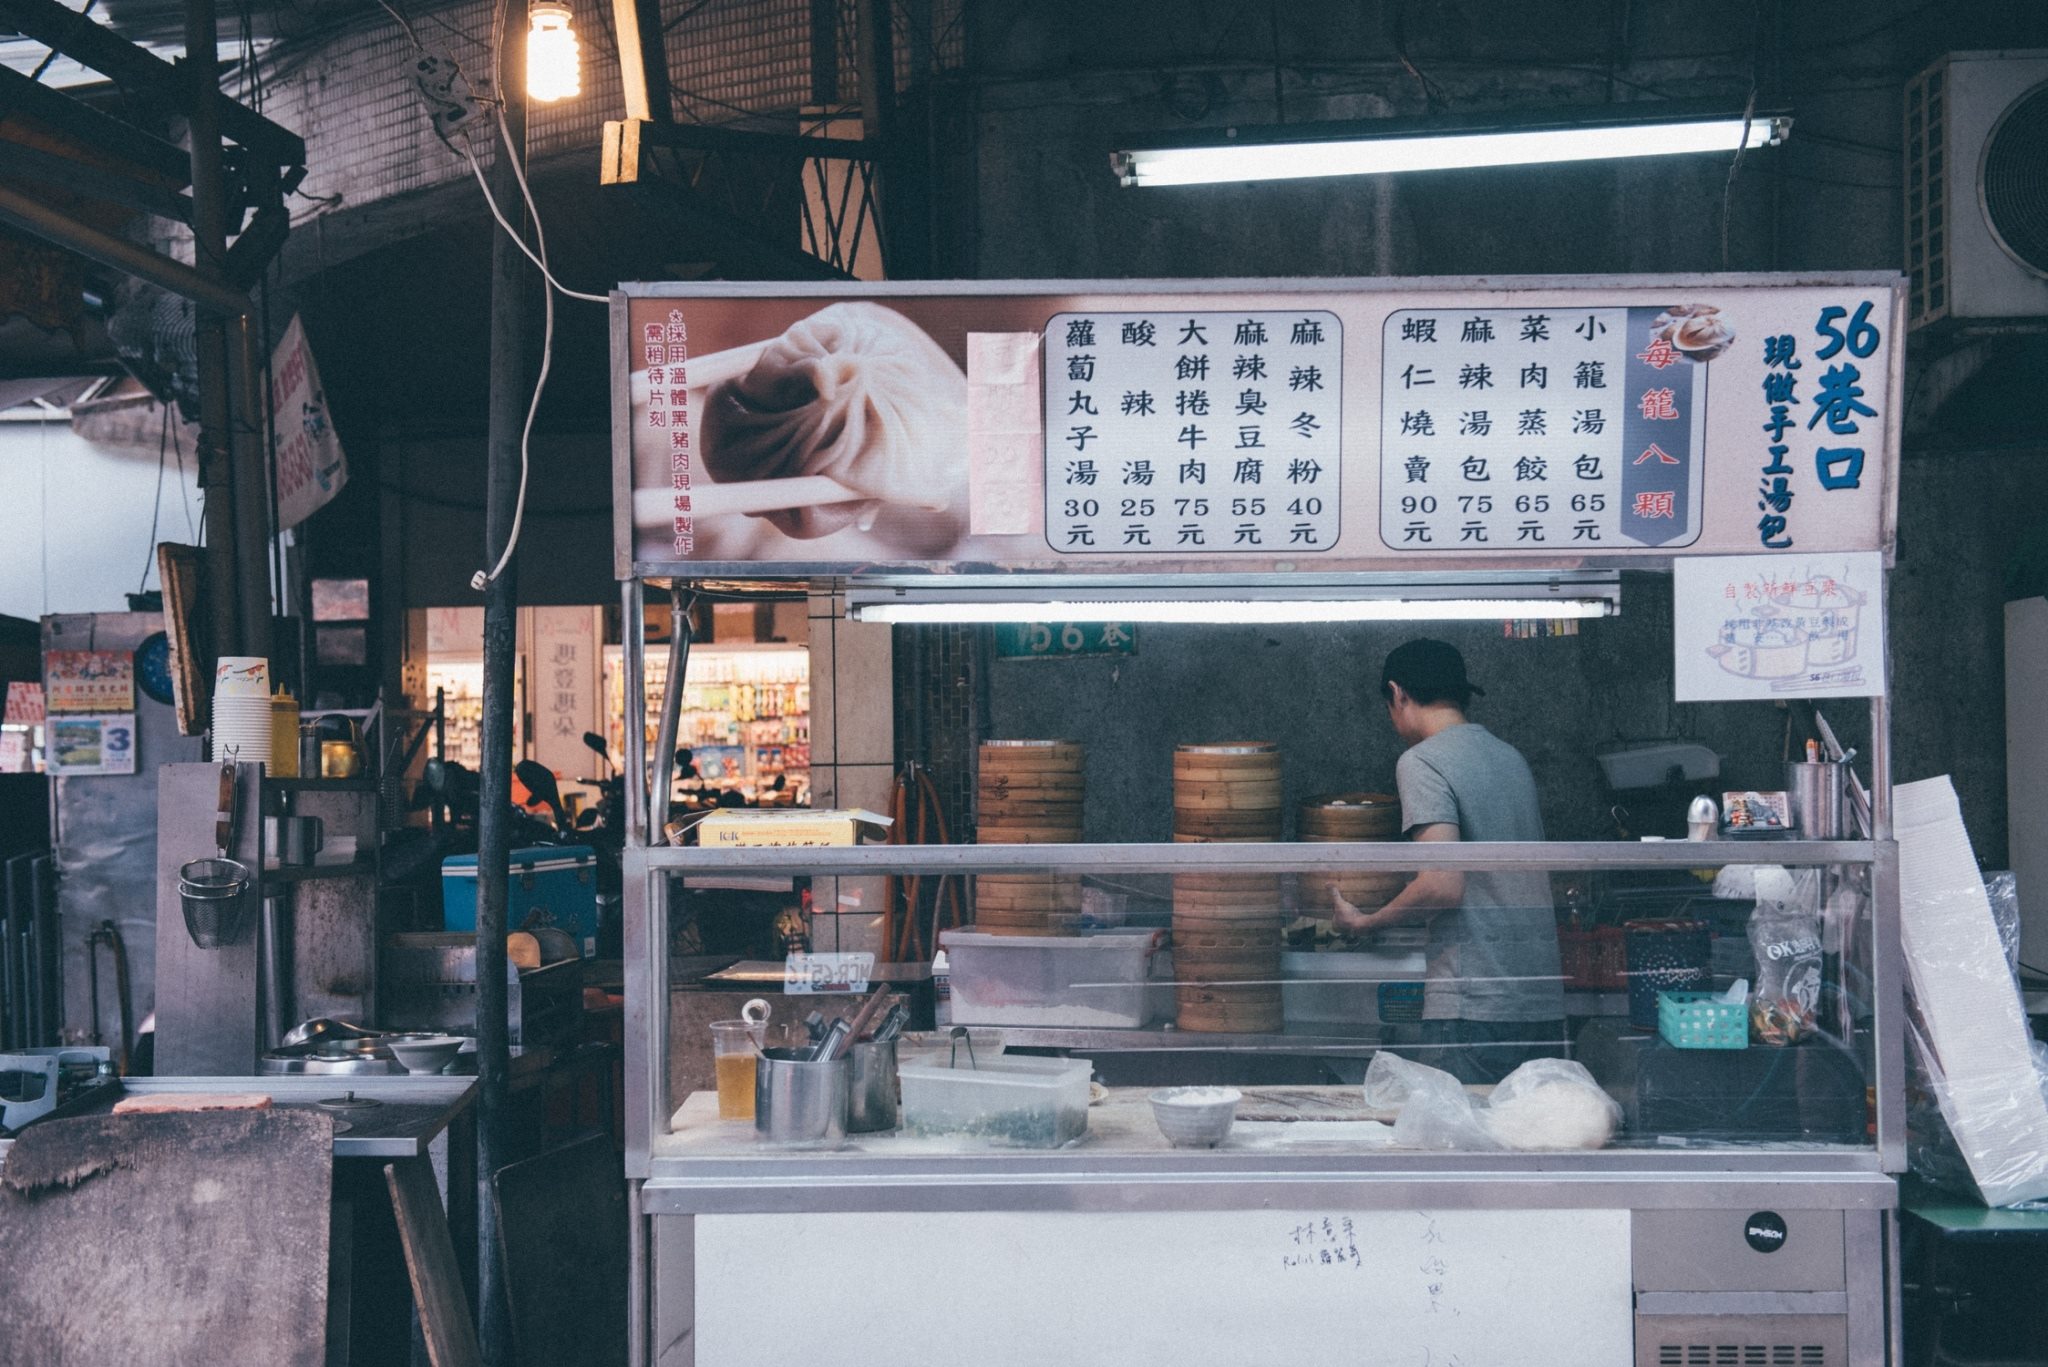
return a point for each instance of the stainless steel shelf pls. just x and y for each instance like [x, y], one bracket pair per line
[1280, 857]
[1178, 1041]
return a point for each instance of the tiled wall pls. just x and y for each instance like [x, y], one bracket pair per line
[352, 96]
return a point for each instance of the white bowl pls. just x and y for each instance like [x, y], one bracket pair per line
[1195, 1117]
[425, 1055]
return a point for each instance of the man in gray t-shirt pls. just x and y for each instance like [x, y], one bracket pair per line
[1494, 995]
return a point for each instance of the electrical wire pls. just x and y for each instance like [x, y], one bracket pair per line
[519, 173]
[484, 578]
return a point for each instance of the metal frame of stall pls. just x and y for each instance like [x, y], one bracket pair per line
[1661, 1189]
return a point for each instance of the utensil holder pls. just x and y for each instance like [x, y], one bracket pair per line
[214, 895]
[797, 1101]
[871, 1087]
[1815, 791]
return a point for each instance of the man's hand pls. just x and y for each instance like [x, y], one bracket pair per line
[1346, 916]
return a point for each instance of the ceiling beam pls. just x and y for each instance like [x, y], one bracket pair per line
[78, 120]
[643, 59]
[94, 45]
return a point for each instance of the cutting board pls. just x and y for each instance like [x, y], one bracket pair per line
[145, 1239]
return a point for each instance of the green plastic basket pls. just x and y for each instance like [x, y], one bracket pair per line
[1701, 1020]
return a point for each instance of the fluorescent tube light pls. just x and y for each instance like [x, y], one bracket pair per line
[1241, 610]
[1280, 158]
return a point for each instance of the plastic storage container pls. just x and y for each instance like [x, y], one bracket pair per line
[1117, 979]
[1701, 1020]
[553, 885]
[1340, 993]
[1014, 1103]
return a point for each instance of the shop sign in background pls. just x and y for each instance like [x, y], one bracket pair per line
[1169, 428]
[1064, 640]
[1779, 626]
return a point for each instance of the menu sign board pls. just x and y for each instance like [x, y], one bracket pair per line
[1527, 428]
[1166, 428]
[1185, 433]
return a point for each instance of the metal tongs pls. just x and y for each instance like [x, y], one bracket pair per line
[842, 1033]
[956, 1034]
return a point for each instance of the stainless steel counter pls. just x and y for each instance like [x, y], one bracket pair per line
[412, 1111]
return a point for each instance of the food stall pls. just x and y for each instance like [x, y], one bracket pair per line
[1313, 452]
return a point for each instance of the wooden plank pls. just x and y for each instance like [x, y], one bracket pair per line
[167, 1238]
[562, 1222]
[430, 1264]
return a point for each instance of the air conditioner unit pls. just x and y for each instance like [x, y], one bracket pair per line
[1976, 192]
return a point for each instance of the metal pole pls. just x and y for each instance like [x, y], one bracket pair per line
[633, 706]
[509, 382]
[209, 243]
[679, 633]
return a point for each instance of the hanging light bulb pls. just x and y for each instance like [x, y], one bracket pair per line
[553, 66]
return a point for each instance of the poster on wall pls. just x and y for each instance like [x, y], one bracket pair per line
[91, 745]
[24, 703]
[78, 681]
[1188, 427]
[311, 468]
[1779, 626]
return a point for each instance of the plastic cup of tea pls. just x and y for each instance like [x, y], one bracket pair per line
[734, 1047]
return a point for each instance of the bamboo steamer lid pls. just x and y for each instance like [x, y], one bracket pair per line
[1350, 816]
[1228, 1011]
[1051, 896]
[1028, 835]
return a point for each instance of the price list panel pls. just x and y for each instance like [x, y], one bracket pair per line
[1192, 433]
[1569, 429]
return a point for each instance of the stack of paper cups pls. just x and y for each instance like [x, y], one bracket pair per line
[241, 709]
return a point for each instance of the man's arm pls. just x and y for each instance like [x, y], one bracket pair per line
[1429, 892]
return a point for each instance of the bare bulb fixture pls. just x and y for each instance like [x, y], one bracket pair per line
[554, 66]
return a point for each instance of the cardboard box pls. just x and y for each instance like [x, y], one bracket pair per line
[740, 828]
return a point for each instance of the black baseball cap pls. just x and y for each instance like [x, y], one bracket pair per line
[1429, 670]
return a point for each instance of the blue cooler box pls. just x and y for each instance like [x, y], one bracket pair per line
[552, 885]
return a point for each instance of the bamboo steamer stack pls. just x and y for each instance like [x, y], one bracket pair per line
[1344, 817]
[1029, 793]
[1226, 926]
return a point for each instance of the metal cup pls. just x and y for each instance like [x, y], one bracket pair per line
[797, 1101]
[871, 1096]
[1814, 791]
[297, 839]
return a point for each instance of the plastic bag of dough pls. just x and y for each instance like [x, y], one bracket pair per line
[856, 392]
[1434, 1109]
[1550, 1103]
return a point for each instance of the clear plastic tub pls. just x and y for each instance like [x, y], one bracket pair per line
[1338, 993]
[1117, 979]
[1015, 1103]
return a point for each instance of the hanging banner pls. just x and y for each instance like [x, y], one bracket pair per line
[1272, 427]
[1779, 626]
[311, 468]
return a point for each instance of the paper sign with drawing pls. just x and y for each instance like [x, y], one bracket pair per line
[1779, 626]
